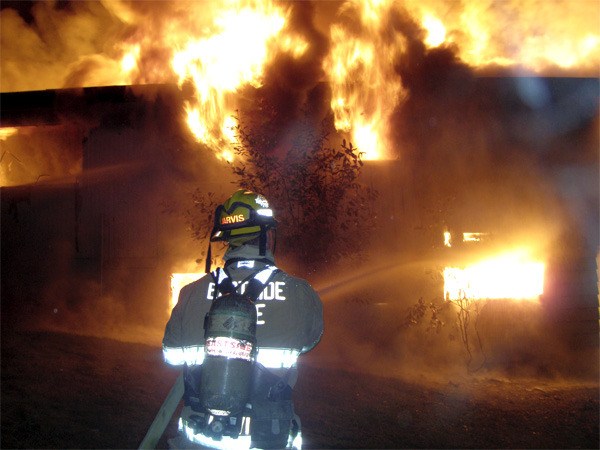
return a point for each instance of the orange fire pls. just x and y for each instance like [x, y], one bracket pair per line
[511, 275]
[5, 166]
[360, 69]
[7, 132]
[217, 65]
[219, 48]
[232, 55]
[532, 35]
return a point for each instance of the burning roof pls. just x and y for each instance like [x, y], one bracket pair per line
[365, 51]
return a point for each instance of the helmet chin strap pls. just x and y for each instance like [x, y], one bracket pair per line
[208, 258]
[274, 239]
[262, 242]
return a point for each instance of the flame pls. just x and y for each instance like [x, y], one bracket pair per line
[534, 35]
[233, 55]
[527, 35]
[436, 31]
[24, 155]
[129, 61]
[295, 45]
[447, 239]
[466, 237]
[512, 275]
[221, 47]
[7, 132]
[474, 237]
[365, 88]
[5, 168]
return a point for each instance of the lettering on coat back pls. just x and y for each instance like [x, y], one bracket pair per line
[275, 290]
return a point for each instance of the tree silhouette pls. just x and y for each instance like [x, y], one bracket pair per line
[325, 214]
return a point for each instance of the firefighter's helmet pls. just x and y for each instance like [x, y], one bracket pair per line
[243, 217]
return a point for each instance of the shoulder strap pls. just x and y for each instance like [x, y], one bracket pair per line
[222, 281]
[257, 281]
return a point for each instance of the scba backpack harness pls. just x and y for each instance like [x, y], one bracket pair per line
[224, 383]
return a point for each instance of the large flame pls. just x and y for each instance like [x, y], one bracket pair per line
[7, 132]
[232, 54]
[219, 47]
[360, 68]
[511, 275]
[25, 159]
[530, 36]
[534, 35]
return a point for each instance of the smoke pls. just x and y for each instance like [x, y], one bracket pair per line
[370, 328]
[477, 149]
[482, 151]
[52, 38]
[25, 158]
[493, 142]
[91, 252]
[75, 44]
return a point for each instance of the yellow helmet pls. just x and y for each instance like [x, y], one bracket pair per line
[242, 218]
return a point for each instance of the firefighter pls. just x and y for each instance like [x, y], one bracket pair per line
[289, 322]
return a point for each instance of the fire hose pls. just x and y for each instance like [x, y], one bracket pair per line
[164, 415]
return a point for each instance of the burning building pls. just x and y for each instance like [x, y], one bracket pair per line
[97, 221]
[473, 117]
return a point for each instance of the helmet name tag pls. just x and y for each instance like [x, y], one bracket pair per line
[233, 219]
[229, 348]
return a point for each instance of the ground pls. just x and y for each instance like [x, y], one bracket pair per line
[66, 391]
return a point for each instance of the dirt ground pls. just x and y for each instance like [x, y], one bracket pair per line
[66, 391]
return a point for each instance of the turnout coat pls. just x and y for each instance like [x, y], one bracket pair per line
[289, 323]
